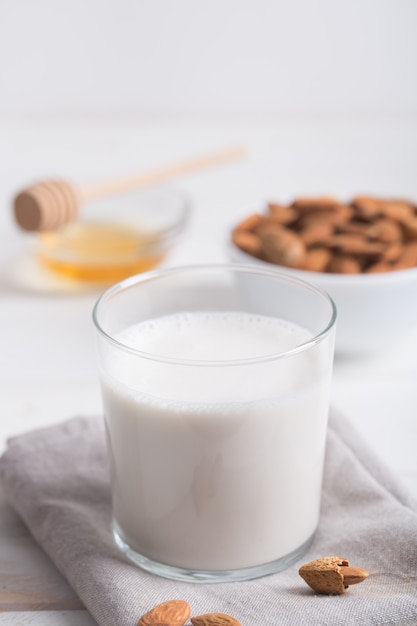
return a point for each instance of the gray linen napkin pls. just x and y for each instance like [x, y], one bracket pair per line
[57, 480]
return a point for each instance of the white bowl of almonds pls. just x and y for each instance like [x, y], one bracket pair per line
[362, 252]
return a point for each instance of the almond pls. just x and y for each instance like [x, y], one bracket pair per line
[340, 214]
[367, 207]
[268, 225]
[386, 230]
[317, 259]
[398, 210]
[354, 244]
[316, 232]
[307, 205]
[170, 613]
[380, 266]
[281, 213]
[283, 247]
[355, 227]
[343, 264]
[408, 257]
[410, 228]
[247, 241]
[249, 223]
[215, 619]
[331, 575]
[392, 252]
[336, 215]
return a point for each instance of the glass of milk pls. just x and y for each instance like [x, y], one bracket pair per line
[215, 384]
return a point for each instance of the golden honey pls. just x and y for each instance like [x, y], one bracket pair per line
[99, 251]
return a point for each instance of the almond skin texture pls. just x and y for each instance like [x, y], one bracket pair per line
[327, 575]
[283, 248]
[215, 619]
[170, 613]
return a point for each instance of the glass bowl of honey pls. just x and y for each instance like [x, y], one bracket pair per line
[115, 237]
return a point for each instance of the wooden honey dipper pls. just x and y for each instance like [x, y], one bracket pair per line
[50, 204]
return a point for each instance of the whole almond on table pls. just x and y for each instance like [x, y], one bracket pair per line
[170, 613]
[215, 619]
[331, 575]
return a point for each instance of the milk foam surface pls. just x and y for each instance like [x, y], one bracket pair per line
[215, 466]
[214, 336]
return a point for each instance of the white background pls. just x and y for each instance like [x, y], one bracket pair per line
[265, 57]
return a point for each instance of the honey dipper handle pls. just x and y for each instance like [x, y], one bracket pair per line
[127, 183]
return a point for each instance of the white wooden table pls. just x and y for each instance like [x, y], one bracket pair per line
[47, 347]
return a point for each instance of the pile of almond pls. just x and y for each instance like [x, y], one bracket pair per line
[177, 613]
[365, 235]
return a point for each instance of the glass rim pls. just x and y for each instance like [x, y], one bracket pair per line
[152, 275]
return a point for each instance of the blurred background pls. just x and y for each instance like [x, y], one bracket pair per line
[143, 58]
[322, 95]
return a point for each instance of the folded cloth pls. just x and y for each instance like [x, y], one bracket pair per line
[57, 480]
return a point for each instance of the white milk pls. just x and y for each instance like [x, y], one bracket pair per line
[215, 467]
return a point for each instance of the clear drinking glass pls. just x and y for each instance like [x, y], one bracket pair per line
[215, 384]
